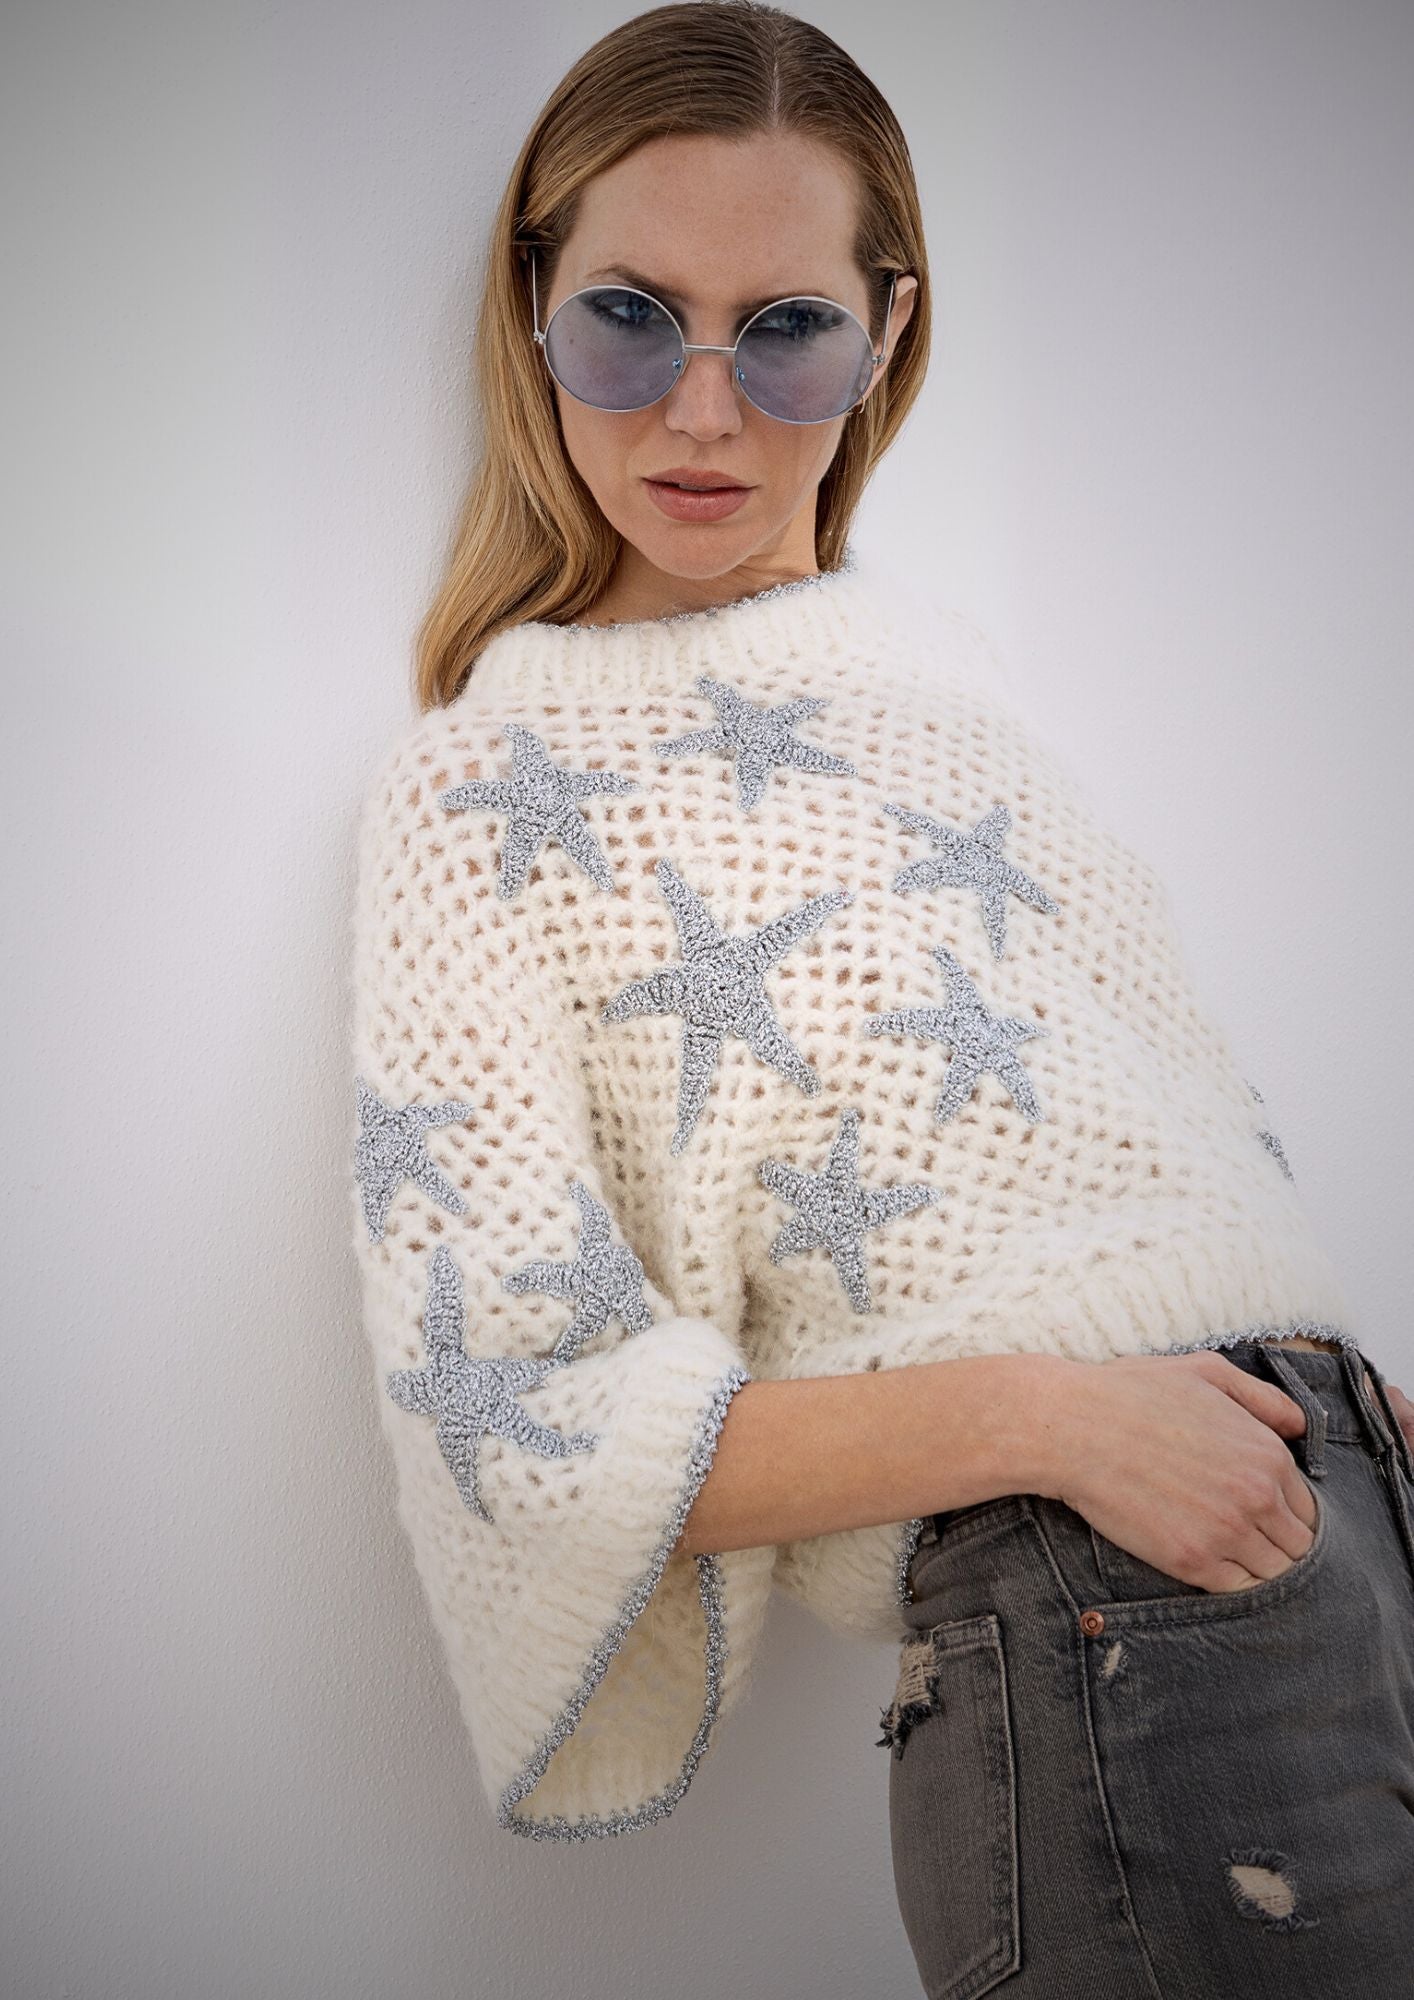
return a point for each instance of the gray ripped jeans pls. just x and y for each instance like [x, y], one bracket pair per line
[1107, 1784]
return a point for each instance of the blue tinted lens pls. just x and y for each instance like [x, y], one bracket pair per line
[613, 348]
[803, 360]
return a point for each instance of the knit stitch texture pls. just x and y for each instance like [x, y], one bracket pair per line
[748, 993]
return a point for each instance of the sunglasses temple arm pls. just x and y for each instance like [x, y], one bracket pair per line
[888, 317]
[878, 358]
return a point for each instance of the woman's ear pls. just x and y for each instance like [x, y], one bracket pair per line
[905, 297]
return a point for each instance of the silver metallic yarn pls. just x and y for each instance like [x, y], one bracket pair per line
[911, 1536]
[759, 737]
[604, 1278]
[391, 1148]
[1314, 1329]
[719, 991]
[709, 1585]
[1270, 1140]
[541, 802]
[971, 858]
[835, 1211]
[471, 1397]
[981, 1041]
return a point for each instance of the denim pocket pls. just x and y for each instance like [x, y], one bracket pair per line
[1131, 1586]
[952, 1810]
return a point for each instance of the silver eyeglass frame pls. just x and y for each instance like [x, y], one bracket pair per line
[691, 347]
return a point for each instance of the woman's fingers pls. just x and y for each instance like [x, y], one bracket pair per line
[1403, 1409]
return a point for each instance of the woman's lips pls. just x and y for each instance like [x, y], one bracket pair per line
[713, 505]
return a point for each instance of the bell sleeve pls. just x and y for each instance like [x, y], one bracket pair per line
[550, 1416]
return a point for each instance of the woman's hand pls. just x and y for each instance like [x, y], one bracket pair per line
[1403, 1409]
[1181, 1459]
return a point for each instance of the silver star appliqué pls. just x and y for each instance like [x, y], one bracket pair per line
[541, 802]
[758, 737]
[473, 1398]
[1270, 1140]
[719, 990]
[971, 858]
[391, 1148]
[980, 1040]
[835, 1210]
[604, 1278]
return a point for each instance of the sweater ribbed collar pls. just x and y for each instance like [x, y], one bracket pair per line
[816, 620]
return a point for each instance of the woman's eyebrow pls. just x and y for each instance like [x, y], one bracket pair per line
[670, 298]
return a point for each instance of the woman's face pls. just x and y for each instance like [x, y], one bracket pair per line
[713, 227]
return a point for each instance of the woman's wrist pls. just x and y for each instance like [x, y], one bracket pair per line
[1038, 1447]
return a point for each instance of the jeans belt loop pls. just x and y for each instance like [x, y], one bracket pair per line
[1383, 1412]
[1313, 1444]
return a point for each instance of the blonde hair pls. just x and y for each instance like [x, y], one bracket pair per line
[530, 541]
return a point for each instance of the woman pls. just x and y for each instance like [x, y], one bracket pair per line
[789, 1151]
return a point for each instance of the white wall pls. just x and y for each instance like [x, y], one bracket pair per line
[1164, 459]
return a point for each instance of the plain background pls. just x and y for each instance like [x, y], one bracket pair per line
[1164, 460]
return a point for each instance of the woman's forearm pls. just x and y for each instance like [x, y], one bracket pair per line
[811, 1457]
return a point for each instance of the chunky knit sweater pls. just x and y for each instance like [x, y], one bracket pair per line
[748, 993]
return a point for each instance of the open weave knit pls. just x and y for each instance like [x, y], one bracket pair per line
[748, 993]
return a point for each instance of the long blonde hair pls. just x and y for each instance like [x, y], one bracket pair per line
[531, 541]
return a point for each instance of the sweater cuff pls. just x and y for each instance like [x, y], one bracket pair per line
[591, 1658]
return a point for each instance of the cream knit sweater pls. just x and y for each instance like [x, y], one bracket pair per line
[748, 993]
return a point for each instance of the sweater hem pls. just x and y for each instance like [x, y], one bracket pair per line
[908, 1548]
[1314, 1329]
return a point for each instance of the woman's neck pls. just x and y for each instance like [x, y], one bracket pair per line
[638, 592]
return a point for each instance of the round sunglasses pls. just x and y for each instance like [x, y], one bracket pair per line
[801, 360]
